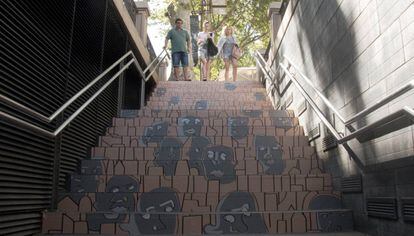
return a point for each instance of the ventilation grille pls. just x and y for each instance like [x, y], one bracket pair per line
[351, 184]
[329, 142]
[382, 207]
[407, 209]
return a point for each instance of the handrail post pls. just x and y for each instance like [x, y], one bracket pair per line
[142, 100]
[56, 172]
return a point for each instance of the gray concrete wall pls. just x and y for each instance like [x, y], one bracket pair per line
[356, 52]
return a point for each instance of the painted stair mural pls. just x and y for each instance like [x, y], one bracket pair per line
[201, 158]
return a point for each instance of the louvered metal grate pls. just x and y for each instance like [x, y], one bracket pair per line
[49, 50]
[352, 184]
[407, 209]
[382, 208]
[329, 142]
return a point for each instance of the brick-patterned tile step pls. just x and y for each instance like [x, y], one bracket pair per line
[251, 141]
[185, 151]
[203, 105]
[215, 107]
[211, 98]
[287, 166]
[198, 202]
[201, 184]
[234, 220]
[283, 122]
[174, 113]
[172, 129]
[194, 88]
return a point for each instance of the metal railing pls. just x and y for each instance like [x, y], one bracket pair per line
[161, 57]
[341, 138]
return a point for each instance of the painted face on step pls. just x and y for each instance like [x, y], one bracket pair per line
[155, 133]
[269, 153]
[252, 113]
[201, 105]
[116, 201]
[160, 92]
[230, 86]
[218, 164]
[198, 146]
[175, 100]
[238, 127]
[118, 196]
[91, 167]
[168, 154]
[259, 96]
[238, 218]
[190, 126]
[160, 200]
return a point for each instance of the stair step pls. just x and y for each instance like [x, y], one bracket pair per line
[210, 113]
[199, 202]
[250, 222]
[195, 130]
[201, 184]
[173, 147]
[172, 139]
[195, 166]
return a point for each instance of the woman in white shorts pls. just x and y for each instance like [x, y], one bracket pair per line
[202, 50]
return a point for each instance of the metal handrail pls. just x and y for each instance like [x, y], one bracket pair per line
[362, 113]
[37, 115]
[341, 138]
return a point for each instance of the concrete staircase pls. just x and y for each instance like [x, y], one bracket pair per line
[201, 158]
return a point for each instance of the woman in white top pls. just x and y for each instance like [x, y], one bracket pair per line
[202, 50]
[225, 47]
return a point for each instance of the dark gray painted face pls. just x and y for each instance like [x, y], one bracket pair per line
[218, 164]
[238, 127]
[168, 154]
[118, 196]
[83, 183]
[284, 122]
[230, 86]
[269, 153]
[198, 146]
[79, 186]
[259, 96]
[201, 105]
[155, 133]
[335, 221]
[174, 100]
[252, 113]
[159, 200]
[190, 126]
[91, 167]
[242, 221]
[160, 92]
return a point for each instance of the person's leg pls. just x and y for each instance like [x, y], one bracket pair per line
[184, 62]
[203, 68]
[227, 68]
[234, 62]
[208, 63]
[176, 65]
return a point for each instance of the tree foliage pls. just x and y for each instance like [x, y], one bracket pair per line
[248, 18]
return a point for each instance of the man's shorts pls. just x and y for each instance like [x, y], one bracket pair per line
[180, 57]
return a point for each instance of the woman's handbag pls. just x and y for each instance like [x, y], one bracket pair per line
[236, 52]
[212, 49]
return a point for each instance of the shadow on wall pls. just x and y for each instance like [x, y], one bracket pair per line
[327, 50]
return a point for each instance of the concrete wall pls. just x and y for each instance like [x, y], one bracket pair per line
[356, 52]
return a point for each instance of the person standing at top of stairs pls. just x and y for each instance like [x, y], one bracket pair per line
[180, 48]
